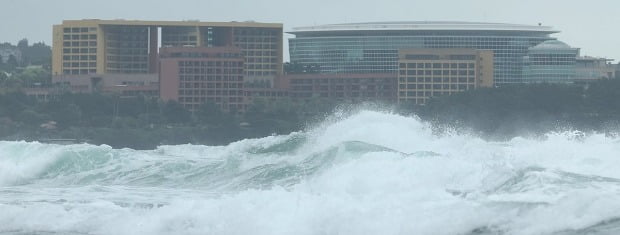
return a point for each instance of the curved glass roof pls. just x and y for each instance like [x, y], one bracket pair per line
[551, 44]
[423, 26]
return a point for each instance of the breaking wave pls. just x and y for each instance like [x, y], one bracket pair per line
[368, 173]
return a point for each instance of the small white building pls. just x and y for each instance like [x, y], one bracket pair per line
[594, 68]
[6, 53]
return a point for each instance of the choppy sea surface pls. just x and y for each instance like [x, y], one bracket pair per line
[367, 173]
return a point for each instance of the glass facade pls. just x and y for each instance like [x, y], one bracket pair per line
[551, 62]
[361, 49]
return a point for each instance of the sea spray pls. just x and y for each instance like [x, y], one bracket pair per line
[365, 173]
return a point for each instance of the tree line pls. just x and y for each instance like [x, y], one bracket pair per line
[529, 109]
[144, 122]
[32, 68]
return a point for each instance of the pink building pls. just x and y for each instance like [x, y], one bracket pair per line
[196, 75]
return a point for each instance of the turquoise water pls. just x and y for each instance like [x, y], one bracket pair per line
[368, 173]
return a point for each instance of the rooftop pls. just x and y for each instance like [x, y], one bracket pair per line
[196, 23]
[425, 25]
[552, 45]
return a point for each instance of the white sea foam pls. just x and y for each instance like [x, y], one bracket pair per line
[368, 173]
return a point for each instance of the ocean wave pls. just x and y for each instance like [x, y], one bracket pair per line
[365, 173]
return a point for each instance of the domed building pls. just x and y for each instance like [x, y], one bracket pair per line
[365, 48]
[552, 61]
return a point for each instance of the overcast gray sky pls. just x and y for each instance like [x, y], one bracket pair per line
[593, 25]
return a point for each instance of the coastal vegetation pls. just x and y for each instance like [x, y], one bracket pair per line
[31, 69]
[532, 109]
[144, 123]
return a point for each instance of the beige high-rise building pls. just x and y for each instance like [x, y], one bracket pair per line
[83, 49]
[426, 73]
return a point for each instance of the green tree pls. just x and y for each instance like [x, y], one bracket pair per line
[174, 112]
[38, 54]
[12, 62]
[3, 78]
[22, 44]
[34, 76]
[212, 114]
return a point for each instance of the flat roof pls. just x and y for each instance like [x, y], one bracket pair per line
[424, 26]
[170, 23]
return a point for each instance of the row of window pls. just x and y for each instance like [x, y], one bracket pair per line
[436, 79]
[237, 93]
[257, 39]
[132, 51]
[126, 37]
[79, 50]
[123, 44]
[343, 80]
[255, 32]
[79, 44]
[128, 59]
[79, 30]
[435, 86]
[210, 64]
[261, 60]
[344, 94]
[210, 78]
[266, 93]
[197, 85]
[438, 57]
[341, 88]
[260, 73]
[202, 55]
[259, 53]
[426, 94]
[79, 57]
[218, 91]
[126, 30]
[437, 65]
[79, 71]
[208, 71]
[260, 66]
[258, 46]
[79, 64]
[438, 72]
[79, 37]
[112, 65]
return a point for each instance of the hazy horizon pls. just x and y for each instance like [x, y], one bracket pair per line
[585, 25]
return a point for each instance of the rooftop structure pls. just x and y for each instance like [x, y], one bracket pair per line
[422, 26]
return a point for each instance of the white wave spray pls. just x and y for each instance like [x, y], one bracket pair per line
[368, 173]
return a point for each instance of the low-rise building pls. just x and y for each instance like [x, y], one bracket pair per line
[375, 87]
[593, 68]
[426, 73]
[8, 51]
[121, 84]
